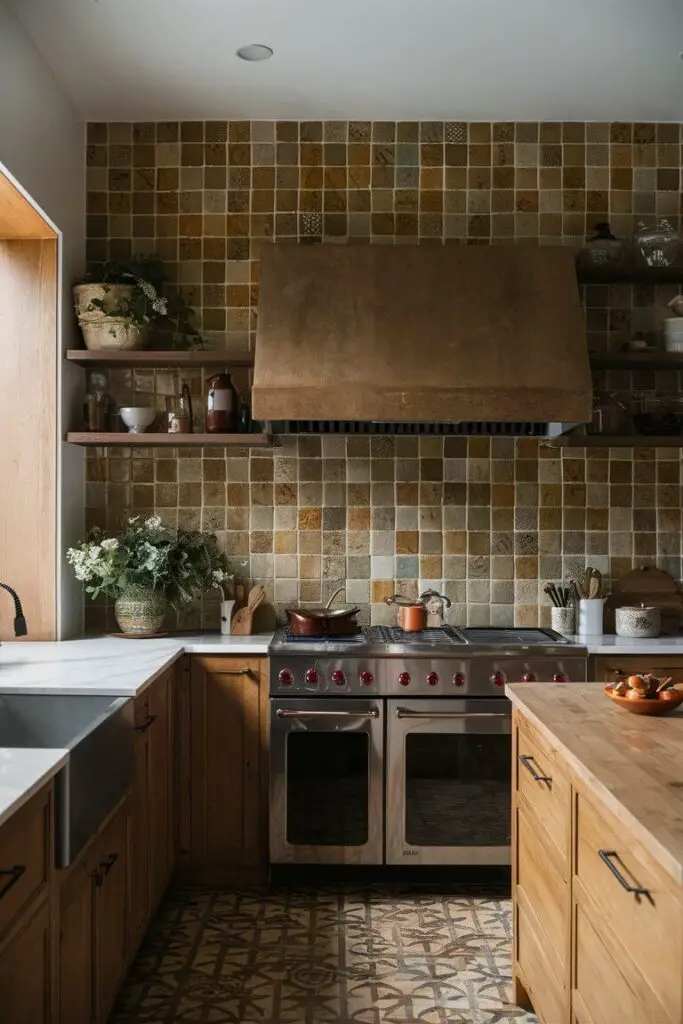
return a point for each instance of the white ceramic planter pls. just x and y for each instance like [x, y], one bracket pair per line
[226, 617]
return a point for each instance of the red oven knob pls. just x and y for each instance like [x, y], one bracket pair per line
[432, 679]
[366, 678]
[498, 679]
[529, 677]
[312, 677]
[338, 677]
[285, 677]
[560, 677]
[404, 678]
[459, 679]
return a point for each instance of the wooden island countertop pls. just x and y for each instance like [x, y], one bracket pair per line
[632, 763]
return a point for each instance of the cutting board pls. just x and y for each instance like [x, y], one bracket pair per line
[650, 586]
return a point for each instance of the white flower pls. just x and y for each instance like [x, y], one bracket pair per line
[133, 519]
[110, 544]
[221, 576]
[153, 523]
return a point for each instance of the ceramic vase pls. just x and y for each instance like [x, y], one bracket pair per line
[226, 617]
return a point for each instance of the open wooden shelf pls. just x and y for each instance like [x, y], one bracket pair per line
[126, 440]
[630, 275]
[616, 441]
[657, 360]
[150, 357]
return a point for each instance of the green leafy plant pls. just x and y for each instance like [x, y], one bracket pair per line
[153, 300]
[150, 556]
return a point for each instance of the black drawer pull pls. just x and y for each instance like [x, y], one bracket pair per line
[637, 890]
[526, 760]
[146, 724]
[108, 864]
[14, 874]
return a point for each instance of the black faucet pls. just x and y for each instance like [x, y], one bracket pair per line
[19, 620]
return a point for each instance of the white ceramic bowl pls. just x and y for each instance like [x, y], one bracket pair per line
[137, 418]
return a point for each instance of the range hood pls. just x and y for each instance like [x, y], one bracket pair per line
[429, 339]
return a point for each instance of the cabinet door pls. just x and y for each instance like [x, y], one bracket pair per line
[161, 787]
[76, 918]
[25, 980]
[111, 916]
[227, 733]
[608, 668]
[139, 881]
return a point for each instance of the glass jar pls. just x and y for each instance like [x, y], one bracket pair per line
[602, 249]
[97, 405]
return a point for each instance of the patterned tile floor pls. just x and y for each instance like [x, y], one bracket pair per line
[324, 956]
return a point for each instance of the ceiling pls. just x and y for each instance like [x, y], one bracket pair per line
[367, 59]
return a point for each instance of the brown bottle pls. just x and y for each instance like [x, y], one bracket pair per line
[221, 405]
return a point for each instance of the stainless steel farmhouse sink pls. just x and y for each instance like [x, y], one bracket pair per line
[98, 733]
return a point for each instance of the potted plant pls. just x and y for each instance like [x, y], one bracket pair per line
[146, 568]
[115, 308]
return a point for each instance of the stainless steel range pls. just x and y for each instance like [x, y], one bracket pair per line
[394, 747]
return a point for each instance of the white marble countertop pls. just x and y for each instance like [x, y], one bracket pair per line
[23, 772]
[108, 665]
[609, 644]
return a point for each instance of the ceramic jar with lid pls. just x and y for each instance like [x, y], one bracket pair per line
[642, 621]
[221, 405]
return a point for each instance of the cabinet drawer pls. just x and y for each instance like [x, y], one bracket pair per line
[543, 984]
[24, 856]
[541, 885]
[601, 993]
[643, 931]
[544, 790]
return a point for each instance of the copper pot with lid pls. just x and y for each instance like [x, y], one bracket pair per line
[412, 613]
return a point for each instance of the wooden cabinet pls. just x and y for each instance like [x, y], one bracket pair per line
[223, 796]
[93, 933]
[598, 919]
[541, 868]
[25, 851]
[26, 978]
[152, 805]
[603, 669]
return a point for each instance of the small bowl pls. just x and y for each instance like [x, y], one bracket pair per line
[646, 705]
[137, 418]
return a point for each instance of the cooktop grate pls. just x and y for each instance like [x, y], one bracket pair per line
[441, 635]
[525, 635]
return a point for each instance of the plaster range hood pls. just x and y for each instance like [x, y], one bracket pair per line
[407, 339]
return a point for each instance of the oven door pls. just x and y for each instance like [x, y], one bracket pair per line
[326, 781]
[448, 781]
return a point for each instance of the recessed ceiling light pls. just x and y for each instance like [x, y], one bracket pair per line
[255, 51]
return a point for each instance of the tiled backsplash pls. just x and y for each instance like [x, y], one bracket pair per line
[489, 521]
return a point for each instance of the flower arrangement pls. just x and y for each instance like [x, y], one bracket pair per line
[150, 560]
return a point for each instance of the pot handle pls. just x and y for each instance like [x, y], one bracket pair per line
[331, 599]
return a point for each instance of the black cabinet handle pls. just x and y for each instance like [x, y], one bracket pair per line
[637, 890]
[146, 724]
[13, 875]
[108, 864]
[526, 760]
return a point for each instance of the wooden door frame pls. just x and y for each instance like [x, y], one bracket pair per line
[30, 248]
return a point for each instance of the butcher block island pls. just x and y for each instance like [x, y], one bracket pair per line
[597, 858]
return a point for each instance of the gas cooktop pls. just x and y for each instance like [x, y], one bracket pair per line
[392, 641]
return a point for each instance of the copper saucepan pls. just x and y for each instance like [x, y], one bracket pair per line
[321, 620]
[412, 613]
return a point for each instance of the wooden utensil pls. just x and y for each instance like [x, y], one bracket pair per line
[243, 619]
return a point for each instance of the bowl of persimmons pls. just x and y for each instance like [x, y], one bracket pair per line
[645, 694]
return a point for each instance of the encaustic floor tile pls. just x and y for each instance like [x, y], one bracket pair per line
[323, 956]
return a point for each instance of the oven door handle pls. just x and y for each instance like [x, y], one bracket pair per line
[406, 713]
[284, 713]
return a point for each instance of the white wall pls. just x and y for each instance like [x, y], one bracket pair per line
[42, 139]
